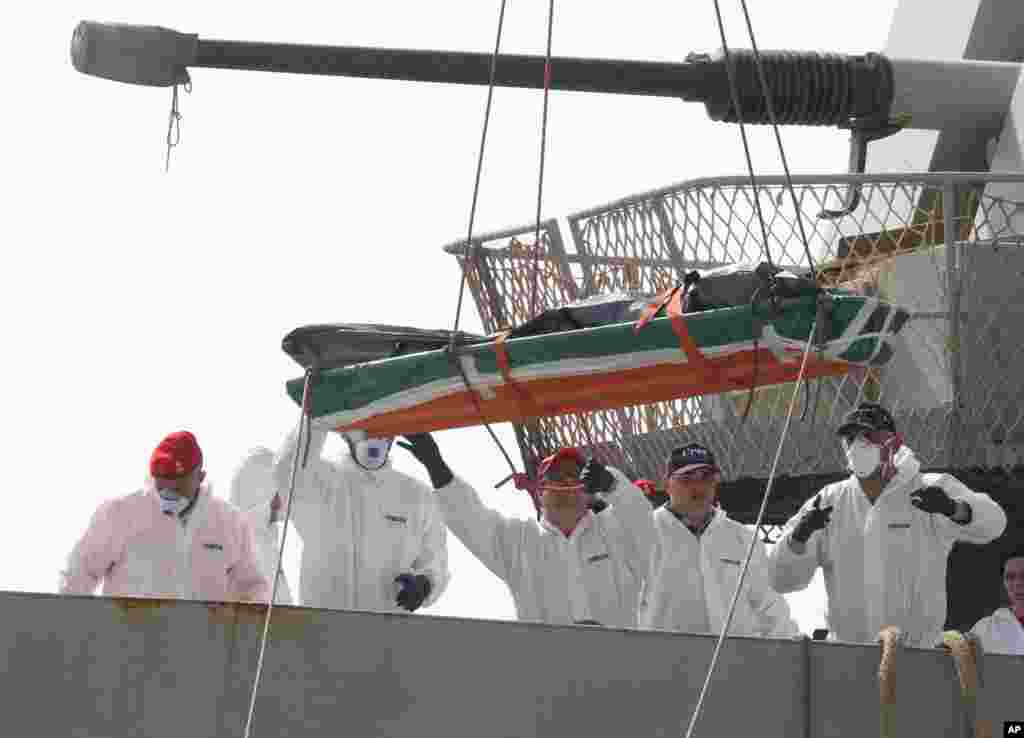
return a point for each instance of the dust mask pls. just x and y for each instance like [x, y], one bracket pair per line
[171, 503]
[863, 458]
[371, 453]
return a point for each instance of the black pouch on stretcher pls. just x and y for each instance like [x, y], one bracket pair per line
[733, 285]
[741, 284]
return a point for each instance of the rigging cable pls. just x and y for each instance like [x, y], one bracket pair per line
[304, 424]
[766, 92]
[734, 93]
[770, 107]
[471, 255]
[470, 251]
[543, 151]
[753, 539]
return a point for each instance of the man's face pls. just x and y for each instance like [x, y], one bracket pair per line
[564, 470]
[562, 498]
[694, 492]
[186, 485]
[1013, 579]
[861, 447]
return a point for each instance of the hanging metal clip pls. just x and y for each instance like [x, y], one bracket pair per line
[863, 132]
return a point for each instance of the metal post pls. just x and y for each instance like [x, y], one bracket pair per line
[669, 238]
[953, 281]
[583, 253]
[557, 247]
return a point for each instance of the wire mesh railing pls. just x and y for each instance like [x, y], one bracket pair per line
[949, 247]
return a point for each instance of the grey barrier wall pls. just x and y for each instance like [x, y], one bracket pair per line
[103, 668]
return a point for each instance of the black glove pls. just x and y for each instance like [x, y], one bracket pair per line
[424, 448]
[814, 519]
[934, 500]
[596, 477]
[415, 590]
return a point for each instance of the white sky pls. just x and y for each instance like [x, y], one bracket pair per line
[136, 303]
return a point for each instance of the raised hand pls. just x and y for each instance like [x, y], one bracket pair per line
[933, 500]
[596, 477]
[817, 518]
[424, 448]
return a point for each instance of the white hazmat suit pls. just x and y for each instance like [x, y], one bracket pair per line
[692, 579]
[360, 530]
[595, 574]
[884, 563]
[252, 489]
[1001, 632]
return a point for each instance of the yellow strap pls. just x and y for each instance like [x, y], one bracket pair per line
[966, 653]
[889, 637]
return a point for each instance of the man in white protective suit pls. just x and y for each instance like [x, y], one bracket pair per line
[570, 565]
[373, 538]
[251, 486]
[171, 539]
[882, 536]
[1003, 630]
[697, 557]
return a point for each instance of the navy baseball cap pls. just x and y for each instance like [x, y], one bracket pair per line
[866, 418]
[689, 458]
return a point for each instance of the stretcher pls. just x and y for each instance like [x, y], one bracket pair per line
[663, 356]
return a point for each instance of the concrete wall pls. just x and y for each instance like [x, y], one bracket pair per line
[95, 668]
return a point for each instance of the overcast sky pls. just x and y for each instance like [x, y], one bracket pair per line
[136, 302]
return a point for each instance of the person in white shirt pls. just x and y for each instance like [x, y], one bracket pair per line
[1003, 630]
[373, 537]
[697, 556]
[570, 565]
[882, 536]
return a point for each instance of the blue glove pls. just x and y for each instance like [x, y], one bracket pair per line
[415, 590]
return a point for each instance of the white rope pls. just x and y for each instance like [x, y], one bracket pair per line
[753, 536]
[304, 423]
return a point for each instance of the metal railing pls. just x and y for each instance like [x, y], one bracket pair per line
[947, 246]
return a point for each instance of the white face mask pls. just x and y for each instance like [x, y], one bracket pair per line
[863, 457]
[171, 503]
[371, 453]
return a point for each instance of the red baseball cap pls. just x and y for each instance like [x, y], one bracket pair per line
[177, 455]
[563, 454]
[647, 486]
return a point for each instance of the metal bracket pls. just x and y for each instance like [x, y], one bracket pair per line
[862, 132]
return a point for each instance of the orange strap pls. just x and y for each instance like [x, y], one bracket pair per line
[652, 309]
[501, 354]
[686, 342]
[529, 405]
